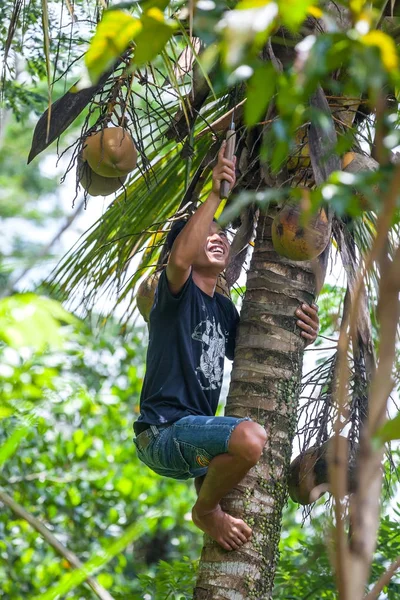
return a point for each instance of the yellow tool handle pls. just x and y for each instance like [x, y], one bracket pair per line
[229, 154]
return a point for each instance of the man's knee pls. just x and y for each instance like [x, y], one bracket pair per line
[247, 441]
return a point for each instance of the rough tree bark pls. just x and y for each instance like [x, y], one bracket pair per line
[266, 376]
[264, 385]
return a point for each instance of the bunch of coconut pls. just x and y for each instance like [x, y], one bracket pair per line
[108, 156]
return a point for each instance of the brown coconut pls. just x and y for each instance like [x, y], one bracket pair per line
[110, 152]
[310, 470]
[145, 295]
[297, 240]
[94, 184]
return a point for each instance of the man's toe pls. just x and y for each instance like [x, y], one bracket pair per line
[233, 544]
[228, 546]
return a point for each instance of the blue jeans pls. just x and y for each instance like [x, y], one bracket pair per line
[185, 449]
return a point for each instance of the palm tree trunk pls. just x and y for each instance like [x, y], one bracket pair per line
[265, 386]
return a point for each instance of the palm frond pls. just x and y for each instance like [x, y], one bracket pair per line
[109, 260]
[106, 261]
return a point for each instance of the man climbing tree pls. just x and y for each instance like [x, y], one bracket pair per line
[191, 330]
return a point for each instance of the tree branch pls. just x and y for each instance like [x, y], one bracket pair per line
[383, 580]
[365, 503]
[53, 541]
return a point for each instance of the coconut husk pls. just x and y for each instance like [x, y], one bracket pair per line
[300, 241]
[110, 152]
[145, 295]
[94, 184]
[309, 473]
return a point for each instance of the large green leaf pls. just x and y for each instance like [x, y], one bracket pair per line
[389, 432]
[114, 33]
[294, 12]
[152, 38]
[261, 88]
[9, 448]
[32, 321]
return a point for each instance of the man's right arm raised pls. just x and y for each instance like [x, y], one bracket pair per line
[193, 236]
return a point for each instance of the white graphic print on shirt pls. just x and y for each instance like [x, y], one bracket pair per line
[213, 352]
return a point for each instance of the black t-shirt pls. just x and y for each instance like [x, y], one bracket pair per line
[189, 336]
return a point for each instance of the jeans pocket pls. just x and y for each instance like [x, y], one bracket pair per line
[144, 455]
[193, 456]
[178, 460]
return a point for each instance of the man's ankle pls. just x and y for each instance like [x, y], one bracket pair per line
[202, 509]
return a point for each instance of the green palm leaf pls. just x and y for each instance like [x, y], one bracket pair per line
[105, 262]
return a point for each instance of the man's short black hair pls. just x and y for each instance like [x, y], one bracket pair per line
[175, 230]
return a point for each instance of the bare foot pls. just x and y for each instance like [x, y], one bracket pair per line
[229, 532]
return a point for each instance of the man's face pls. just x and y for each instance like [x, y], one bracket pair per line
[215, 254]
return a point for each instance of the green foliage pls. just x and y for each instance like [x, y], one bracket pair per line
[117, 31]
[70, 452]
[99, 560]
[33, 321]
[330, 303]
[21, 33]
[22, 185]
[114, 33]
[305, 569]
[174, 580]
[389, 432]
[261, 88]
[76, 469]
[153, 36]
[293, 12]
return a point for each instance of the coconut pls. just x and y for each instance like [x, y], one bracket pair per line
[297, 241]
[307, 471]
[110, 152]
[145, 295]
[311, 469]
[94, 184]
